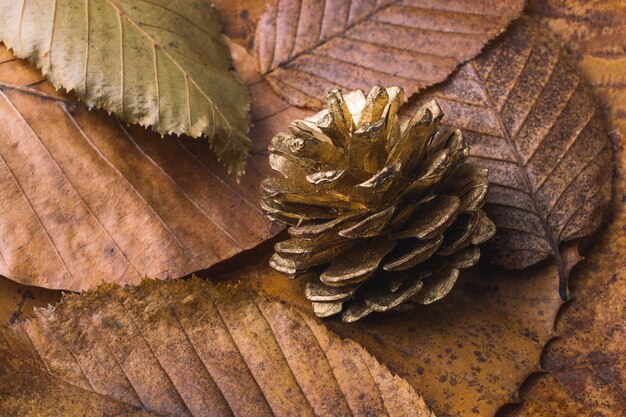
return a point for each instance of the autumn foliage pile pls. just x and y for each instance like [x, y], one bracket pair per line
[143, 141]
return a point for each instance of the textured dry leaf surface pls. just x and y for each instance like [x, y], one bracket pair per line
[586, 363]
[239, 18]
[595, 31]
[305, 48]
[188, 348]
[158, 63]
[466, 354]
[87, 198]
[530, 118]
[18, 301]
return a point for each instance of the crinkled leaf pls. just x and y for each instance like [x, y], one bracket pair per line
[158, 63]
[190, 349]
[305, 48]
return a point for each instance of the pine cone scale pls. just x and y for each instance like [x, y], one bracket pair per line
[382, 216]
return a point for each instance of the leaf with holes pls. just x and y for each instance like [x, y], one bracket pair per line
[305, 48]
[190, 349]
[86, 198]
[159, 63]
[530, 118]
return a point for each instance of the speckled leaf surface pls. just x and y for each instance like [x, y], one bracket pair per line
[466, 354]
[595, 33]
[584, 373]
[531, 119]
[188, 348]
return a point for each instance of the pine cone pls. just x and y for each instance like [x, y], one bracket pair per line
[384, 216]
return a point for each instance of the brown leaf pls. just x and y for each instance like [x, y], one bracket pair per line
[306, 48]
[239, 18]
[190, 349]
[18, 301]
[86, 198]
[529, 116]
[466, 354]
[587, 375]
[595, 31]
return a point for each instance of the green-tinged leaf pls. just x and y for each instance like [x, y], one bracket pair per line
[159, 63]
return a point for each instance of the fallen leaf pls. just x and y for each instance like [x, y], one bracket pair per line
[87, 198]
[157, 63]
[190, 349]
[595, 32]
[586, 362]
[18, 301]
[239, 18]
[466, 354]
[305, 48]
[529, 116]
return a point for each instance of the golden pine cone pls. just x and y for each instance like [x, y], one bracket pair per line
[384, 215]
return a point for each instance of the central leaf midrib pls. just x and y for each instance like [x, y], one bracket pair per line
[554, 245]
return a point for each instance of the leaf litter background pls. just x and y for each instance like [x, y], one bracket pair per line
[146, 348]
[574, 357]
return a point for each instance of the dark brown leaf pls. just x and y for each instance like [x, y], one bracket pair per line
[86, 198]
[586, 363]
[190, 349]
[530, 118]
[305, 48]
[595, 32]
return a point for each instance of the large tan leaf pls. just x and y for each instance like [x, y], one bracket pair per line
[586, 364]
[159, 63]
[86, 198]
[305, 48]
[466, 354]
[530, 117]
[595, 31]
[187, 348]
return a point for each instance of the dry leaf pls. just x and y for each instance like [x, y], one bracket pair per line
[305, 48]
[530, 118]
[466, 354]
[586, 363]
[595, 31]
[190, 349]
[87, 198]
[239, 18]
[18, 301]
[157, 63]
